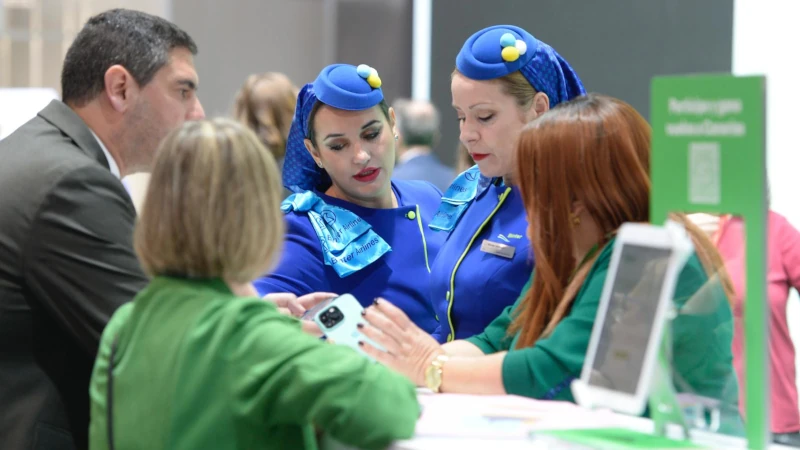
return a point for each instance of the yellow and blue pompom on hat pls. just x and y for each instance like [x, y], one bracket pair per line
[340, 86]
[349, 87]
[500, 50]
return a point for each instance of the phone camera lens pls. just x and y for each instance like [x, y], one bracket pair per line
[331, 317]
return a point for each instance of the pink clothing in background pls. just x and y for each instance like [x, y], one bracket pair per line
[783, 273]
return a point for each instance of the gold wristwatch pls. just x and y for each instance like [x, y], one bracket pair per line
[433, 374]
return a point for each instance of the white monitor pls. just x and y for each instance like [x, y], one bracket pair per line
[627, 332]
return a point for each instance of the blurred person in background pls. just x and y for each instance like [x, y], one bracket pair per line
[783, 274]
[240, 374]
[66, 256]
[265, 103]
[418, 127]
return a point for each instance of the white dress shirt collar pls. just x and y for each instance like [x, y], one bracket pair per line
[111, 163]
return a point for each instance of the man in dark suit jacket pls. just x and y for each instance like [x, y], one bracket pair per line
[66, 257]
[418, 133]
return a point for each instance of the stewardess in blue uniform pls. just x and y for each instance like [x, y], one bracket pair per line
[350, 229]
[504, 78]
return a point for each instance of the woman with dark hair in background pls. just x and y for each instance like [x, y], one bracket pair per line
[265, 103]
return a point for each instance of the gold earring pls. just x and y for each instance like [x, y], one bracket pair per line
[576, 220]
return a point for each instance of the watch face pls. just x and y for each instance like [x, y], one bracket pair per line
[433, 378]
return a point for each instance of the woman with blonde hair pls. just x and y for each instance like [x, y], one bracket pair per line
[265, 103]
[583, 170]
[504, 78]
[194, 361]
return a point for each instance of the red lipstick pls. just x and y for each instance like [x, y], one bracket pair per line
[367, 175]
[479, 156]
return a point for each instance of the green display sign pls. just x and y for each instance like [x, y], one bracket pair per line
[709, 156]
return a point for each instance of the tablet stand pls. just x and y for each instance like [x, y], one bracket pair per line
[663, 400]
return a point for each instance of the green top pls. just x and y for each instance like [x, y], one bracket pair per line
[702, 334]
[198, 368]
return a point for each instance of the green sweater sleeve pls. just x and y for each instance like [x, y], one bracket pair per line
[292, 378]
[98, 394]
[495, 337]
[546, 369]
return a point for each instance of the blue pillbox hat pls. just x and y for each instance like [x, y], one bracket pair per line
[500, 50]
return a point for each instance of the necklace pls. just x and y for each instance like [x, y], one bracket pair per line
[589, 255]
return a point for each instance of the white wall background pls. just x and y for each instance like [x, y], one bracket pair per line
[241, 37]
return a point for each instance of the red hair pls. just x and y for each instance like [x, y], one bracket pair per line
[595, 150]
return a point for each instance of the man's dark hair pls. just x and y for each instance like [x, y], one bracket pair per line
[138, 41]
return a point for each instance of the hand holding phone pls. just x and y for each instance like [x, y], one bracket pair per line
[290, 305]
[338, 318]
[287, 303]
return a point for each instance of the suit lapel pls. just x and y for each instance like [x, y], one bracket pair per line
[65, 119]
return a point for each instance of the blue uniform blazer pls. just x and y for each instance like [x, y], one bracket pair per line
[471, 286]
[401, 276]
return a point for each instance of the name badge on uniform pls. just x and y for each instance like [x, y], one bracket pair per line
[496, 248]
